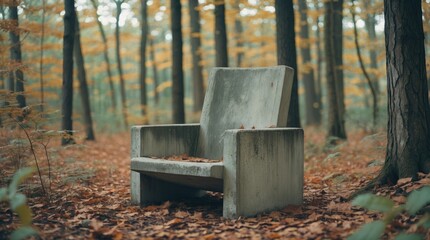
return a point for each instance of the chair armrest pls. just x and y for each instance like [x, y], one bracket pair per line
[265, 165]
[164, 140]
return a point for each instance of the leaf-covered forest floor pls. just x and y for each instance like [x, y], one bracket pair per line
[89, 196]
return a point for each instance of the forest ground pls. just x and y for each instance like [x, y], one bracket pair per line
[90, 196]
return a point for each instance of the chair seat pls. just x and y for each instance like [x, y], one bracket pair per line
[207, 176]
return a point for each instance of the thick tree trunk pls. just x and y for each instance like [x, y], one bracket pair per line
[83, 86]
[16, 76]
[68, 42]
[408, 144]
[286, 52]
[313, 111]
[106, 56]
[119, 63]
[198, 90]
[239, 34]
[177, 71]
[220, 35]
[334, 73]
[143, 40]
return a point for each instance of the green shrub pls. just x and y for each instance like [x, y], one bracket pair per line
[416, 200]
[18, 203]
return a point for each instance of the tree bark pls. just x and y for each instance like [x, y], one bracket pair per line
[154, 69]
[198, 90]
[320, 59]
[106, 57]
[313, 111]
[42, 39]
[286, 52]
[143, 41]
[408, 144]
[16, 77]
[177, 71]
[239, 34]
[119, 63]
[334, 73]
[67, 97]
[220, 35]
[83, 86]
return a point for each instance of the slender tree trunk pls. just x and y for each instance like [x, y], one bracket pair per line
[320, 60]
[363, 69]
[155, 77]
[313, 111]
[334, 73]
[286, 52]
[106, 56]
[198, 91]
[68, 42]
[370, 22]
[220, 35]
[83, 86]
[177, 71]
[408, 144]
[238, 33]
[42, 39]
[119, 63]
[143, 40]
[16, 76]
[154, 69]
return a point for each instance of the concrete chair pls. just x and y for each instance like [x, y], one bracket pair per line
[242, 124]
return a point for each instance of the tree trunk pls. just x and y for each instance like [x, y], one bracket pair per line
[106, 56]
[334, 73]
[83, 86]
[408, 144]
[220, 35]
[16, 76]
[320, 59]
[370, 22]
[239, 34]
[119, 64]
[370, 83]
[42, 39]
[198, 90]
[143, 40]
[313, 111]
[68, 42]
[286, 52]
[154, 69]
[177, 71]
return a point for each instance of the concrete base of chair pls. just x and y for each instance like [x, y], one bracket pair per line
[262, 171]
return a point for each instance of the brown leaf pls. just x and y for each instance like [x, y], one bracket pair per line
[181, 214]
[174, 222]
[403, 181]
[95, 224]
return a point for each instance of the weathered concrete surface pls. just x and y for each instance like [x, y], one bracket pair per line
[247, 97]
[263, 170]
[159, 141]
[207, 176]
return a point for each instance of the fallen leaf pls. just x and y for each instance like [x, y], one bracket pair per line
[174, 222]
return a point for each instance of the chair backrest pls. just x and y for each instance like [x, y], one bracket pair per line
[242, 98]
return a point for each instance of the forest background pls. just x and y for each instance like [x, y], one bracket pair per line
[126, 72]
